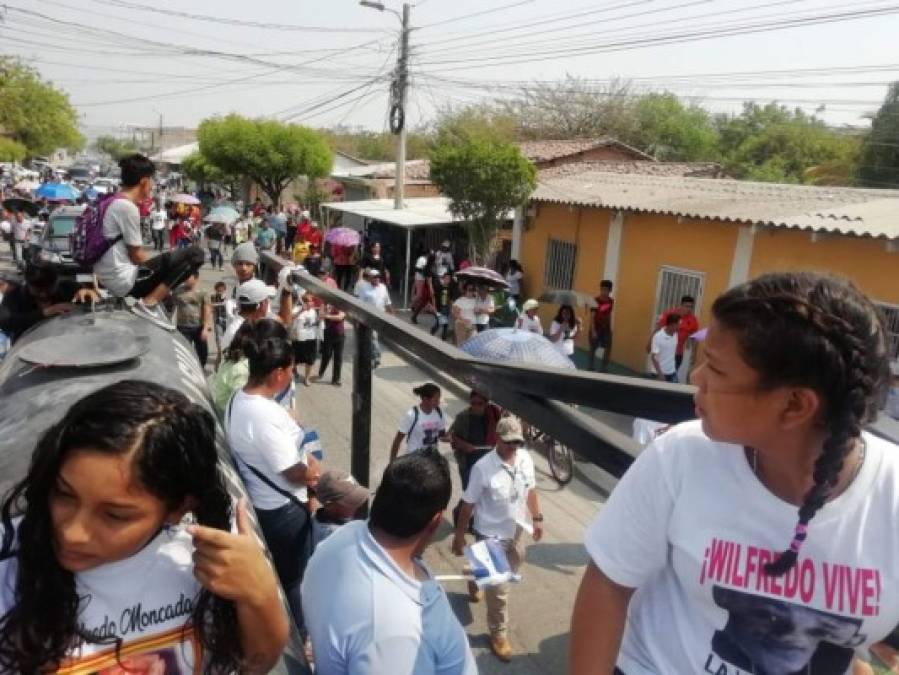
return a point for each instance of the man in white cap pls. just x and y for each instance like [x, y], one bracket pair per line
[372, 292]
[253, 299]
[501, 493]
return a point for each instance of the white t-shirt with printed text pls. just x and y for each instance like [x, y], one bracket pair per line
[262, 434]
[146, 600]
[115, 270]
[498, 491]
[565, 345]
[484, 304]
[691, 527]
[304, 326]
[466, 307]
[426, 431]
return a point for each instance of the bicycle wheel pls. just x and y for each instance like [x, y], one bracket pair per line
[561, 461]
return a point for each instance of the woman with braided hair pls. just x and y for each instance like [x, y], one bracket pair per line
[760, 538]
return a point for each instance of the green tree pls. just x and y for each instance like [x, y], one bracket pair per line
[198, 169]
[115, 147]
[33, 113]
[774, 143]
[271, 153]
[671, 131]
[10, 151]
[377, 146]
[474, 121]
[879, 157]
[484, 180]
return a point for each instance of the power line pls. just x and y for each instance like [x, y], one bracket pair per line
[235, 22]
[674, 38]
[474, 14]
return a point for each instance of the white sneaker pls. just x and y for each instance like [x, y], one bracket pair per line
[153, 313]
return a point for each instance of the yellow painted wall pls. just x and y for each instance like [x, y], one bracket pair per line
[865, 261]
[650, 242]
[588, 228]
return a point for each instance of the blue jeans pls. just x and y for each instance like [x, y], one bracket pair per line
[288, 534]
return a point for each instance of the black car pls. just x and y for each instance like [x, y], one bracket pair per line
[56, 241]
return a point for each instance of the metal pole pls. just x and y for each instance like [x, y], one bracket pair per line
[402, 84]
[360, 439]
[408, 263]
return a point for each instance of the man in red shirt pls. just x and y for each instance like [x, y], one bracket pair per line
[314, 235]
[601, 326]
[688, 325]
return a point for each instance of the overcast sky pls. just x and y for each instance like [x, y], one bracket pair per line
[122, 64]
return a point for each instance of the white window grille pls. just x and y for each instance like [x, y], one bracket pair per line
[675, 283]
[891, 322]
[558, 274]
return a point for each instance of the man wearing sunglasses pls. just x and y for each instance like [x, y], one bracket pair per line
[501, 494]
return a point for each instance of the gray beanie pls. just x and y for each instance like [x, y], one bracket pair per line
[246, 252]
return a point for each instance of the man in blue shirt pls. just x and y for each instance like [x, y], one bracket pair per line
[371, 605]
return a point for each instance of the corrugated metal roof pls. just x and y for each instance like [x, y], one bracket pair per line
[851, 211]
[546, 151]
[416, 169]
[638, 167]
[418, 212]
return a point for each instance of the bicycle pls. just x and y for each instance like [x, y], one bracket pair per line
[559, 455]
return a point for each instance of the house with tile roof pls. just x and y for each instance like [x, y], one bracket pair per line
[658, 237]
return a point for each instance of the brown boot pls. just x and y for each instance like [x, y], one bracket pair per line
[501, 647]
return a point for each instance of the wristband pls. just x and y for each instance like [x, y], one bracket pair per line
[538, 518]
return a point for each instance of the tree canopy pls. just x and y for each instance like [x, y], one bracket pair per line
[33, 113]
[10, 151]
[271, 153]
[198, 169]
[879, 157]
[115, 147]
[484, 180]
[376, 145]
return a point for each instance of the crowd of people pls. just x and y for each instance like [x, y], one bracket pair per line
[756, 539]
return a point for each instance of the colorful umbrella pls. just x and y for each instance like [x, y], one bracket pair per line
[24, 205]
[517, 346]
[26, 185]
[57, 192]
[482, 275]
[573, 298]
[343, 236]
[182, 198]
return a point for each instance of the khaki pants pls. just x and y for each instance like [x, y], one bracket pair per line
[498, 596]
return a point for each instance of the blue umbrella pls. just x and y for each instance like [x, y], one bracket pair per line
[517, 346]
[57, 192]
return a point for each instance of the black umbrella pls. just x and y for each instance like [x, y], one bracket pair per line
[573, 298]
[19, 204]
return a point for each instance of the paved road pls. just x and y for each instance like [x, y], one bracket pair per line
[541, 604]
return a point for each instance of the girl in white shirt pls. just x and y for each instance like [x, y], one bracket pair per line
[564, 329]
[304, 333]
[100, 572]
[693, 568]
[464, 318]
[513, 277]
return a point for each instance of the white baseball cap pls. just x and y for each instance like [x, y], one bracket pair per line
[254, 291]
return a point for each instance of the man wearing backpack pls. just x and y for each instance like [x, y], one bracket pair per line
[124, 268]
[424, 425]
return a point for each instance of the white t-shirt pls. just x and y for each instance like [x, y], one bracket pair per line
[499, 493]
[664, 348]
[690, 526]
[484, 304]
[115, 270]
[376, 296]
[531, 325]
[565, 345]
[514, 281]
[263, 435]
[304, 326]
[157, 219]
[146, 600]
[20, 229]
[425, 432]
[466, 308]
[231, 330]
[366, 616]
[5, 227]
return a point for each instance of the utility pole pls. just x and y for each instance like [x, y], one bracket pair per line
[398, 97]
[399, 103]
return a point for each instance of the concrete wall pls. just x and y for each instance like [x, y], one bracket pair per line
[649, 242]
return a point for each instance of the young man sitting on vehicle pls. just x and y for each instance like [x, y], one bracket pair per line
[125, 269]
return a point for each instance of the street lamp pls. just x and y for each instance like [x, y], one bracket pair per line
[374, 5]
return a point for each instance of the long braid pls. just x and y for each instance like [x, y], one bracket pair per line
[821, 333]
